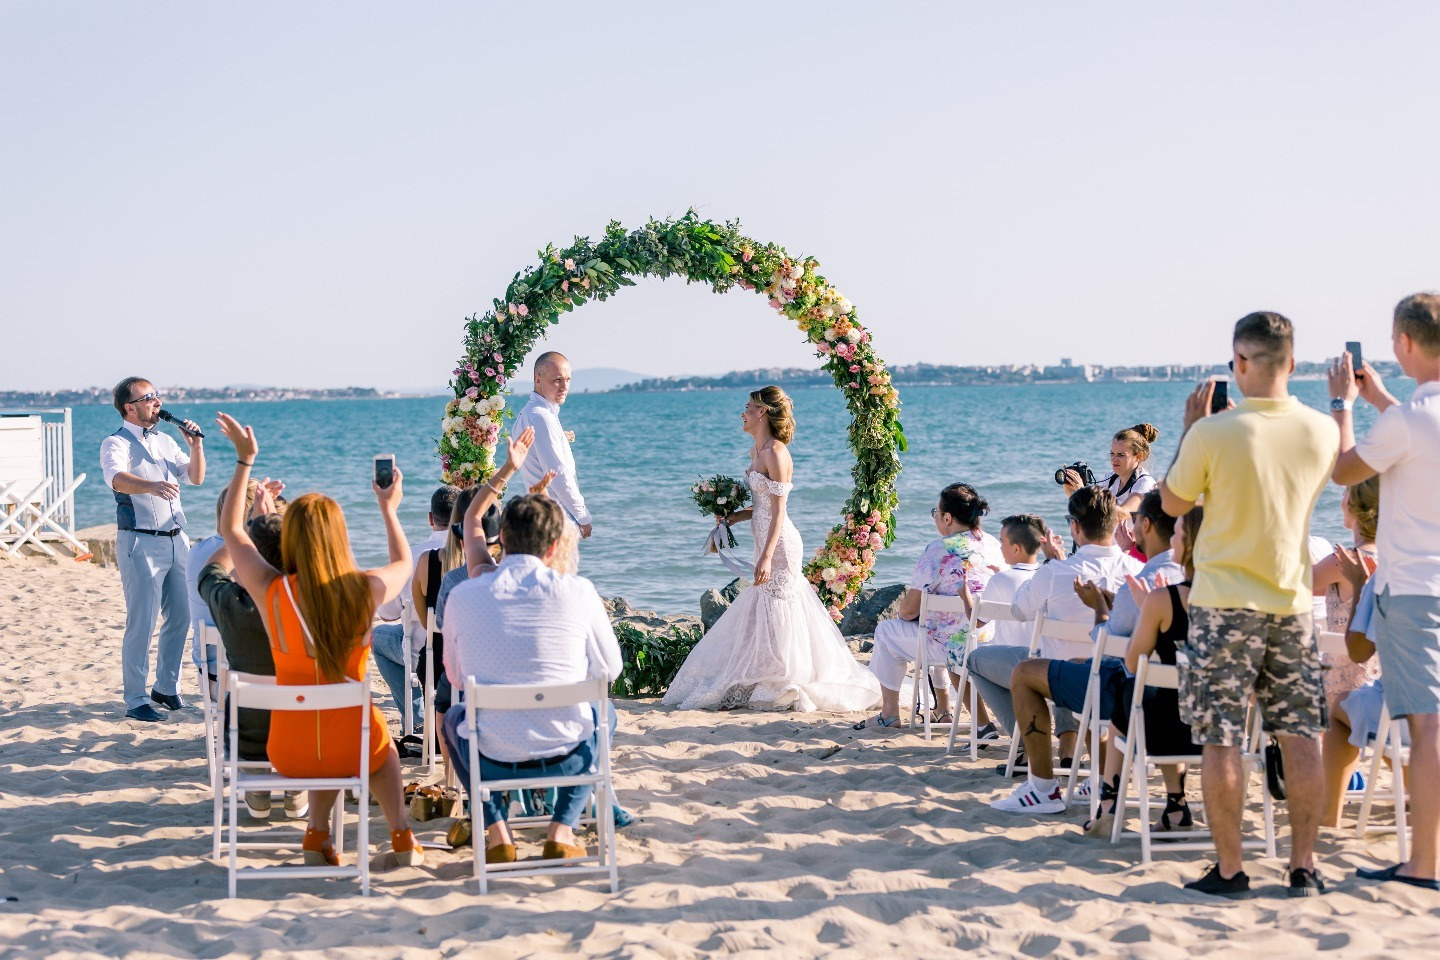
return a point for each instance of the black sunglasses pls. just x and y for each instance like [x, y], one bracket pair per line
[145, 399]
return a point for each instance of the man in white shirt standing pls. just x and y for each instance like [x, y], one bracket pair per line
[145, 468]
[524, 623]
[1404, 448]
[551, 450]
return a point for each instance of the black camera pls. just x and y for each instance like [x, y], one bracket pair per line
[1087, 479]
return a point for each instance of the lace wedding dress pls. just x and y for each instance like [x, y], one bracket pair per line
[775, 648]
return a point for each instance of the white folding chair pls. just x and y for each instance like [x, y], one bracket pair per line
[208, 638]
[594, 691]
[1093, 726]
[931, 604]
[1045, 629]
[419, 674]
[982, 613]
[1389, 737]
[1138, 761]
[251, 692]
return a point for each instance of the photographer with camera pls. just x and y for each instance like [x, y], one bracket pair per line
[1129, 481]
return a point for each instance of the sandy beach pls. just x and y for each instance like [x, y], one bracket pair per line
[754, 832]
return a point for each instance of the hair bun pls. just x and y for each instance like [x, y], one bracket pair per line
[1148, 431]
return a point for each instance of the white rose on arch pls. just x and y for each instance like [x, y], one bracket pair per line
[831, 335]
[843, 307]
[796, 271]
[853, 334]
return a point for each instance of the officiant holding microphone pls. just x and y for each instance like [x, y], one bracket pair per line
[551, 450]
[145, 468]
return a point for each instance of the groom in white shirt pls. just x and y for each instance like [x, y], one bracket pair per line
[551, 449]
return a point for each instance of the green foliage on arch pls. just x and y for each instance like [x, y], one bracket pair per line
[701, 251]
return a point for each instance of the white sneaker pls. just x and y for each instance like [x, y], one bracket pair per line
[258, 803]
[1082, 789]
[1027, 798]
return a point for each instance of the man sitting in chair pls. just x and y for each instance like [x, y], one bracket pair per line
[526, 624]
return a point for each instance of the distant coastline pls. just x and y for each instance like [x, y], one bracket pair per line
[906, 375]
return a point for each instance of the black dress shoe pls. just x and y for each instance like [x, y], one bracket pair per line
[170, 701]
[145, 712]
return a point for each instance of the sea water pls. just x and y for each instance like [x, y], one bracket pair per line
[638, 453]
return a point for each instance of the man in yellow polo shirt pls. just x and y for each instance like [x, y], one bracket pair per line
[1260, 466]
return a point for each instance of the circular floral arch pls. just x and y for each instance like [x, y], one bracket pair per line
[497, 342]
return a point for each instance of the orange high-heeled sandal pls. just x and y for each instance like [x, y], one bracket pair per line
[408, 852]
[317, 849]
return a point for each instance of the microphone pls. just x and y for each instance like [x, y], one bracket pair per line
[169, 417]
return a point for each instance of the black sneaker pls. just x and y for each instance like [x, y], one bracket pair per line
[1020, 761]
[987, 733]
[1305, 883]
[1236, 888]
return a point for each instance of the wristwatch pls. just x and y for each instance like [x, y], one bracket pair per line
[1340, 404]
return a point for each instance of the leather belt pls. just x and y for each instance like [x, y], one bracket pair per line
[156, 533]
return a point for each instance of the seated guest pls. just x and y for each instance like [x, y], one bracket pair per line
[387, 639]
[526, 624]
[247, 647]
[1093, 518]
[1355, 719]
[317, 609]
[1162, 623]
[1154, 530]
[1360, 512]
[200, 553]
[959, 563]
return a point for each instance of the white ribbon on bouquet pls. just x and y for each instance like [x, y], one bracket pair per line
[718, 543]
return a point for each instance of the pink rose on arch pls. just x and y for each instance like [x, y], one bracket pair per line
[564, 284]
[880, 528]
[854, 368]
[745, 256]
[497, 356]
[853, 385]
[499, 381]
[876, 541]
[823, 347]
[510, 308]
[523, 310]
[489, 371]
[585, 282]
[569, 264]
[472, 392]
[775, 304]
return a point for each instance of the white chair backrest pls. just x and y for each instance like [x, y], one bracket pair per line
[324, 696]
[1153, 673]
[22, 456]
[1332, 644]
[936, 603]
[1111, 645]
[1060, 630]
[534, 697]
[988, 610]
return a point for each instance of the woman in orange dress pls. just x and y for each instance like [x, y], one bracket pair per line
[318, 614]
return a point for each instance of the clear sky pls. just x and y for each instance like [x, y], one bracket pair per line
[317, 194]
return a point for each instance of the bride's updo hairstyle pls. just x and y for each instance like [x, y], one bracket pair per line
[779, 411]
[962, 502]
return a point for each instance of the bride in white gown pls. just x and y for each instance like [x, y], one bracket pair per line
[775, 648]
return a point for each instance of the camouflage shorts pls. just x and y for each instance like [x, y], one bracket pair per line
[1230, 653]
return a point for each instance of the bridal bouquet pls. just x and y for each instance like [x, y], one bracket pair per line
[721, 496]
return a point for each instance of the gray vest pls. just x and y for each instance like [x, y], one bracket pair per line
[145, 511]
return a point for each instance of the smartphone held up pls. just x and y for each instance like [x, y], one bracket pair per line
[1357, 361]
[1220, 399]
[384, 470]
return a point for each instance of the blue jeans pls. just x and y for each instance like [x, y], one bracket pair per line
[569, 801]
[387, 641]
[152, 576]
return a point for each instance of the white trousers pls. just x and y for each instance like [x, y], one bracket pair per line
[895, 645]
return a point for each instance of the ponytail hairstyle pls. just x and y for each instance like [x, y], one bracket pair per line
[1138, 438]
[962, 502]
[1363, 502]
[779, 411]
[333, 595]
[452, 555]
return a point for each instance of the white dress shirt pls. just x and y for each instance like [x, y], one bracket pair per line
[523, 623]
[1404, 446]
[551, 451]
[1052, 592]
[166, 461]
[1002, 588]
